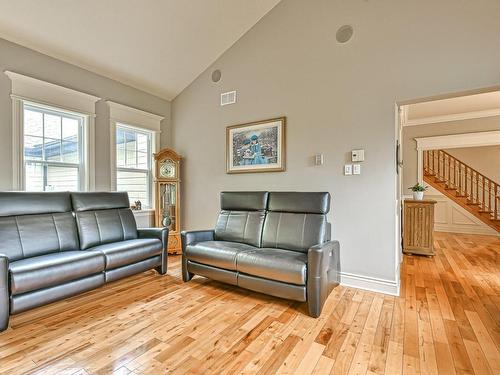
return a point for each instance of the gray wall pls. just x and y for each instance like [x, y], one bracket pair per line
[410, 167]
[336, 98]
[25, 61]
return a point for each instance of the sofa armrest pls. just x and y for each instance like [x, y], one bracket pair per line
[323, 267]
[162, 235]
[190, 237]
[4, 292]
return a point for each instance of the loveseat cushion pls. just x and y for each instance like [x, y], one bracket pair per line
[123, 253]
[44, 271]
[220, 254]
[274, 264]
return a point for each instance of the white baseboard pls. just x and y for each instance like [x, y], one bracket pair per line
[372, 284]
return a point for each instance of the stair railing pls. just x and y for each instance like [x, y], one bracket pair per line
[466, 181]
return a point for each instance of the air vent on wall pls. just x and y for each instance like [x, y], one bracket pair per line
[228, 98]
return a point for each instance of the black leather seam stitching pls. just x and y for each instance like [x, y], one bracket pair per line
[245, 226]
[98, 229]
[19, 235]
[278, 230]
[121, 222]
[303, 231]
[57, 232]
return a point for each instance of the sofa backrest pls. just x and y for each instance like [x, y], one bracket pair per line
[296, 220]
[33, 224]
[242, 217]
[103, 217]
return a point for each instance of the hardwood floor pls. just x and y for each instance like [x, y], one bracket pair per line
[446, 321]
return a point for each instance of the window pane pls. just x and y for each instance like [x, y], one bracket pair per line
[52, 128]
[33, 174]
[62, 178]
[130, 150]
[135, 183]
[142, 160]
[33, 123]
[33, 147]
[70, 152]
[52, 149]
[142, 143]
[70, 127]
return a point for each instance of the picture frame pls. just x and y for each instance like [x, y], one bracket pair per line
[256, 146]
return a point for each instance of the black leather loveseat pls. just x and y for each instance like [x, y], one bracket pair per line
[276, 243]
[55, 245]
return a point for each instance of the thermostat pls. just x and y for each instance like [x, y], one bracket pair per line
[358, 155]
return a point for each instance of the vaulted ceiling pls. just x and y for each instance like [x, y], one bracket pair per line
[159, 46]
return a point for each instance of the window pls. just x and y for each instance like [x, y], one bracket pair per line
[133, 163]
[52, 149]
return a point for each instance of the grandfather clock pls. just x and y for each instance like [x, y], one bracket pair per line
[168, 197]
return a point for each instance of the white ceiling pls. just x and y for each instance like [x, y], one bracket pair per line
[159, 46]
[454, 106]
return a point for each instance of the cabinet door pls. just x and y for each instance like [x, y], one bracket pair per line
[419, 227]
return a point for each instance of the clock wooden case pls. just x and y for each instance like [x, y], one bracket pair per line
[167, 213]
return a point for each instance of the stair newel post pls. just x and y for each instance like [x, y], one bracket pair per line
[439, 166]
[476, 193]
[433, 165]
[466, 185]
[497, 198]
[448, 183]
[489, 195]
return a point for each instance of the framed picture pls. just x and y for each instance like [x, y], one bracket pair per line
[256, 146]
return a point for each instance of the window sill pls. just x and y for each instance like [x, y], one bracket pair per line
[144, 212]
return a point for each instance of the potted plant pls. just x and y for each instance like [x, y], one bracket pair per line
[418, 191]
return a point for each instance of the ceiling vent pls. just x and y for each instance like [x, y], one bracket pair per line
[228, 98]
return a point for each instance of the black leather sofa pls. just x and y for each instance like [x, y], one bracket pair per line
[276, 243]
[55, 245]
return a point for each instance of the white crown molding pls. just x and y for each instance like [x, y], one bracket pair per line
[459, 140]
[453, 117]
[133, 116]
[32, 89]
[373, 284]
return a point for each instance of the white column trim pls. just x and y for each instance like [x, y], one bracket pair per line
[17, 137]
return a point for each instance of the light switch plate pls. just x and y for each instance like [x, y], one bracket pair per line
[348, 169]
[356, 169]
[357, 155]
[318, 159]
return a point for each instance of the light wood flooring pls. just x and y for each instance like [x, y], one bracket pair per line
[446, 321]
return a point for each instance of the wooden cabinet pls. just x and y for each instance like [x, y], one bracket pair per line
[168, 196]
[418, 227]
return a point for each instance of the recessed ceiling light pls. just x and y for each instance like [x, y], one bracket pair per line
[216, 75]
[344, 33]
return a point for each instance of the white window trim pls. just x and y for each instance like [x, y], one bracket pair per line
[29, 89]
[134, 118]
[478, 139]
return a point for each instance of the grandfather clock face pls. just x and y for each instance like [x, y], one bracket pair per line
[168, 169]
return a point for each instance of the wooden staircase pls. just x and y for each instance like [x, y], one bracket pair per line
[464, 185]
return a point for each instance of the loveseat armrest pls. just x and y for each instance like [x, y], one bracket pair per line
[193, 236]
[4, 293]
[323, 268]
[189, 238]
[162, 235]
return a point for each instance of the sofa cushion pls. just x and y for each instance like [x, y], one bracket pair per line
[123, 253]
[103, 217]
[274, 264]
[33, 235]
[44, 271]
[220, 254]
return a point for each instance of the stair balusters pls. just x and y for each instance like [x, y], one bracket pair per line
[477, 189]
